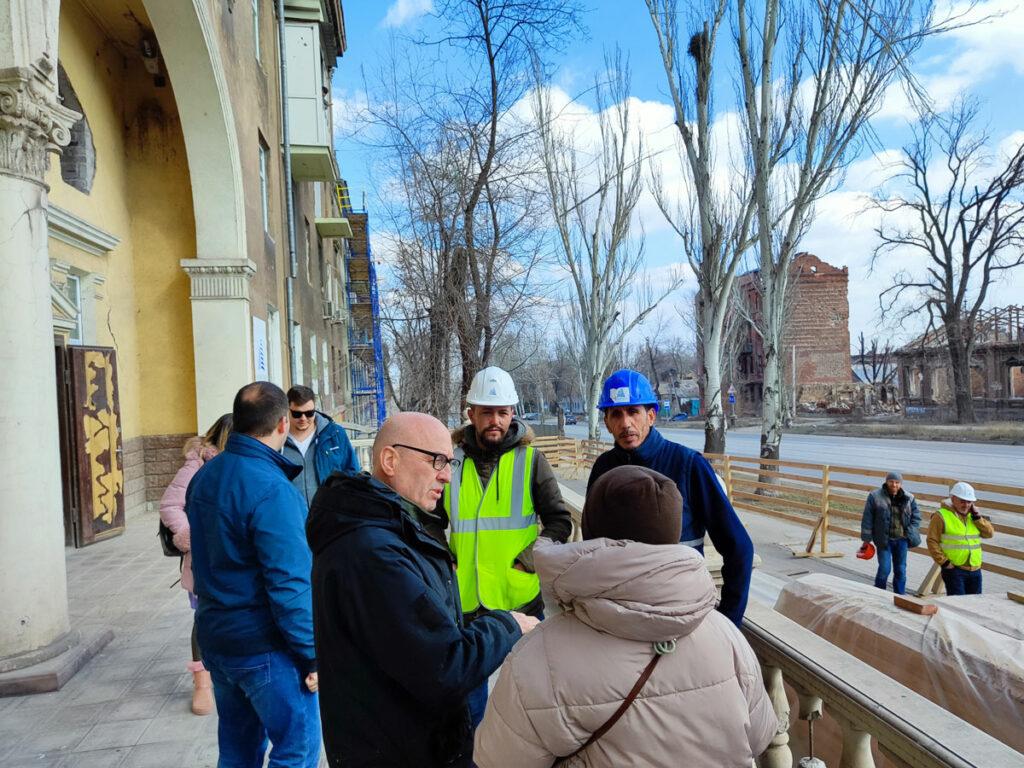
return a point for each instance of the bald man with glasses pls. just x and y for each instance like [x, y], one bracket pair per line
[396, 661]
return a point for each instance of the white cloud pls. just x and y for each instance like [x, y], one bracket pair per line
[401, 12]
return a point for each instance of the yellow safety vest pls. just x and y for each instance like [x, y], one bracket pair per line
[489, 527]
[961, 539]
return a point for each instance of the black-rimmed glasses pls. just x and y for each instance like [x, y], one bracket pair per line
[439, 460]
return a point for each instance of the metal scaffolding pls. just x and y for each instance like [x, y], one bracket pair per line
[365, 349]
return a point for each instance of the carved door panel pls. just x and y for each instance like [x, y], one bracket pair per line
[92, 469]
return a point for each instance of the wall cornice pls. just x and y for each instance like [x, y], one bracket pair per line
[79, 233]
[219, 278]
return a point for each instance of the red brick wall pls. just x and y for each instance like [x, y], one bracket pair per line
[819, 324]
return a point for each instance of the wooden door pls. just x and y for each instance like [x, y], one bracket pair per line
[92, 468]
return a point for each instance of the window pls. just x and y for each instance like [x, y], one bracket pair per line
[314, 368]
[256, 28]
[73, 293]
[78, 159]
[264, 184]
[274, 344]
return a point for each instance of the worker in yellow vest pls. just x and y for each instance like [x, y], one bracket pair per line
[503, 495]
[954, 540]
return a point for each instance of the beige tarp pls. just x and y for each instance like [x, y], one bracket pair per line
[968, 658]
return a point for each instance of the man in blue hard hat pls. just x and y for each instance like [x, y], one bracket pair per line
[630, 409]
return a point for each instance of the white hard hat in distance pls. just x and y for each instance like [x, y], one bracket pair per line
[963, 491]
[492, 386]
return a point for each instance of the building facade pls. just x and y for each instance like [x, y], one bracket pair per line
[816, 339]
[997, 365]
[145, 182]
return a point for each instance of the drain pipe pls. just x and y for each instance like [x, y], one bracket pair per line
[286, 146]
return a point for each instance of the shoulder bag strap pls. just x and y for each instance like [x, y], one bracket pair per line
[630, 698]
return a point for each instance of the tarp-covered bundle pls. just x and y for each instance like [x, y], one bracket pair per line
[968, 658]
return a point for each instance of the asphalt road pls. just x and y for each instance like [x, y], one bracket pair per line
[980, 462]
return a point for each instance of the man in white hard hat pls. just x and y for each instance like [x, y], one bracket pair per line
[954, 540]
[503, 495]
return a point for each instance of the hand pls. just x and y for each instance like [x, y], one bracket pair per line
[312, 682]
[526, 623]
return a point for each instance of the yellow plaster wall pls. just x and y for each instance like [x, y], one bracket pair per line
[141, 193]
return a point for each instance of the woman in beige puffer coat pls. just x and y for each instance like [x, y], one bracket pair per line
[705, 703]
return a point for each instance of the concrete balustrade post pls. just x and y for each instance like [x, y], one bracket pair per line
[778, 754]
[856, 747]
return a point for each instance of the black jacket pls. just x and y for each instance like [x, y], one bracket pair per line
[396, 663]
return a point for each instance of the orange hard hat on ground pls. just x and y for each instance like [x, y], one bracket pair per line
[866, 551]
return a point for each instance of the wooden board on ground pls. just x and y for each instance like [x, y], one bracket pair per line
[1017, 597]
[915, 605]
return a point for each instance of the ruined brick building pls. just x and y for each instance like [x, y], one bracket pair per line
[997, 365]
[817, 336]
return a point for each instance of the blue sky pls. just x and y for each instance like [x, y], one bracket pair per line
[983, 61]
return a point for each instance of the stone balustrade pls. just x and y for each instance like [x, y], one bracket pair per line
[871, 709]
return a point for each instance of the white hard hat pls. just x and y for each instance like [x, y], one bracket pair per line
[492, 386]
[963, 491]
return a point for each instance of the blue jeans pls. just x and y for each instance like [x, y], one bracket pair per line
[960, 581]
[260, 696]
[893, 558]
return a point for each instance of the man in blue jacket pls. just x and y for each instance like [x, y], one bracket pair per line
[318, 445]
[397, 663]
[630, 409]
[251, 566]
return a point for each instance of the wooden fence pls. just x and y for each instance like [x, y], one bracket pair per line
[829, 498]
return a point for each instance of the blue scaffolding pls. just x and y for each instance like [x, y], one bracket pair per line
[365, 348]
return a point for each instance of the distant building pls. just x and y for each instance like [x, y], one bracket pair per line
[818, 331]
[997, 365]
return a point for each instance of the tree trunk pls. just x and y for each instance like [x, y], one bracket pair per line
[772, 407]
[960, 362]
[714, 416]
[593, 415]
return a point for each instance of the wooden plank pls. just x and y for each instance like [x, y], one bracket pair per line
[854, 486]
[1000, 505]
[1017, 597]
[1013, 531]
[806, 492]
[1003, 571]
[1015, 554]
[753, 472]
[782, 502]
[1003, 490]
[772, 513]
[915, 605]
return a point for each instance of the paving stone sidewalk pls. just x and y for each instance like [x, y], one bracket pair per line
[129, 707]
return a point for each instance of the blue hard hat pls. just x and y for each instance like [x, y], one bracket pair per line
[626, 387]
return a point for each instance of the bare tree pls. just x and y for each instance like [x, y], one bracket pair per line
[811, 76]
[592, 207]
[713, 223]
[502, 40]
[963, 210]
[874, 365]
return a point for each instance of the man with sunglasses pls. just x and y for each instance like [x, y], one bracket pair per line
[397, 663]
[315, 443]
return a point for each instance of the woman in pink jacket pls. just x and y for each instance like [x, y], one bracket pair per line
[630, 594]
[197, 451]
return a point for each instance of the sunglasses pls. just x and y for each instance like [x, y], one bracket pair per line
[438, 460]
[303, 414]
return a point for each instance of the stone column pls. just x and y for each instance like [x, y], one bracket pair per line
[222, 332]
[33, 124]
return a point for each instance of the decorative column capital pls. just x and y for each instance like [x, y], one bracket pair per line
[33, 123]
[219, 278]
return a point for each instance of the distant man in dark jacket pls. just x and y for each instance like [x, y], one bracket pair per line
[315, 443]
[251, 568]
[397, 662]
[892, 522]
[630, 409]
